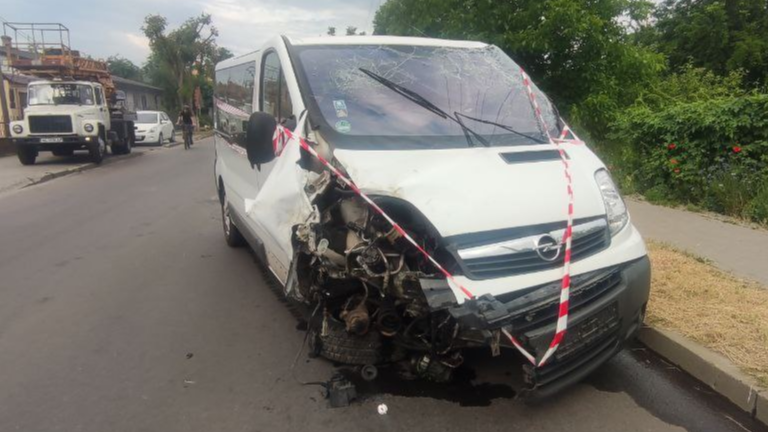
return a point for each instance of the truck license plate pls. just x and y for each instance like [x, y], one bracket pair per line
[52, 140]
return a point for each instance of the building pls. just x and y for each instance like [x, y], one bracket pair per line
[13, 91]
[139, 96]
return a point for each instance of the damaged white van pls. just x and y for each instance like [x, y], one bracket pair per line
[451, 142]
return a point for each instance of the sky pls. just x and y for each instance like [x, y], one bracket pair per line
[101, 28]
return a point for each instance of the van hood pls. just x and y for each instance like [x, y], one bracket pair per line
[481, 189]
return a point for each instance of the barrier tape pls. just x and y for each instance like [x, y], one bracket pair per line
[565, 284]
[283, 136]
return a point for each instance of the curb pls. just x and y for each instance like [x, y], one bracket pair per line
[80, 168]
[710, 368]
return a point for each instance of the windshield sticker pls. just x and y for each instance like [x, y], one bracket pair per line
[343, 126]
[341, 108]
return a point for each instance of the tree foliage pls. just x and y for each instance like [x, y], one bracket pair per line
[181, 59]
[124, 68]
[720, 35]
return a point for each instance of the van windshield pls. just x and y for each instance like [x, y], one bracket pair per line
[60, 94]
[351, 87]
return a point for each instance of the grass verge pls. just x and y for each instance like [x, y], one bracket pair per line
[714, 308]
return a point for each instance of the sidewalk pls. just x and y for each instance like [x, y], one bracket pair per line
[735, 248]
[14, 175]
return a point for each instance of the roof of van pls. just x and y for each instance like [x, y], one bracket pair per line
[385, 40]
[357, 40]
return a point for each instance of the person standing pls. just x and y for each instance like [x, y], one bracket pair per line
[188, 122]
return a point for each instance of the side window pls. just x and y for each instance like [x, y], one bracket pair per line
[234, 100]
[99, 100]
[270, 84]
[286, 106]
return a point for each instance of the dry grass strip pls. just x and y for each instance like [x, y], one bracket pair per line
[714, 308]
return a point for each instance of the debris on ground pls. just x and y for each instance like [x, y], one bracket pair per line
[341, 391]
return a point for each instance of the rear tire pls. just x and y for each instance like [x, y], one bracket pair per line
[128, 145]
[97, 149]
[231, 234]
[27, 156]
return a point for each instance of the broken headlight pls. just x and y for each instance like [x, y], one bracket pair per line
[615, 209]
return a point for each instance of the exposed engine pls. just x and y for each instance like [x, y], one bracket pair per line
[363, 282]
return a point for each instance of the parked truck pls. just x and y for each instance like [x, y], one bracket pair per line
[73, 106]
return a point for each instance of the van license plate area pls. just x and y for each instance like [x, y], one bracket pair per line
[591, 330]
[52, 140]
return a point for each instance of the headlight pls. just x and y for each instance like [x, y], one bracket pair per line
[614, 205]
[153, 130]
[17, 129]
[88, 127]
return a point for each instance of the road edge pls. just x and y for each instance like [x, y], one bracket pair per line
[80, 168]
[709, 367]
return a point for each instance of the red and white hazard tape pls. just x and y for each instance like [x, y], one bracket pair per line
[565, 285]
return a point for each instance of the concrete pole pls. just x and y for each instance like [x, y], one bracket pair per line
[5, 131]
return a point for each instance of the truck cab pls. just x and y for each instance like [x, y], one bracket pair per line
[73, 106]
[65, 116]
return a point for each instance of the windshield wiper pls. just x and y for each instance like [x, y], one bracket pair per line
[502, 126]
[424, 103]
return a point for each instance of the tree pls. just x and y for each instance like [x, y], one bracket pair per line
[122, 67]
[181, 59]
[331, 31]
[579, 52]
[720, 35]
[351, 31]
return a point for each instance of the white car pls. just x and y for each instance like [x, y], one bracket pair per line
[412, 196]
[154, 127]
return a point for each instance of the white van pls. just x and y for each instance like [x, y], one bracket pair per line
[450, 141]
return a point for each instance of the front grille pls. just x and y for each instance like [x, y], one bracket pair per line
[50, 124]
[525, 259]
[539, 306]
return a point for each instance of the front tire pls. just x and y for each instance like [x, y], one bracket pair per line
[160, 139]
[27, 156]
[173, 136]
[97, 149]
[231, 234]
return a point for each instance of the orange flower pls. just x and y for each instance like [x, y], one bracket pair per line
[677, 170]
[736, 149]
[672, 146]
[673, 161]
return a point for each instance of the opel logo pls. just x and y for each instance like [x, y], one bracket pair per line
[547, 248]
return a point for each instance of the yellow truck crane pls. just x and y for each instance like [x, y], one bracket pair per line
[73, 105]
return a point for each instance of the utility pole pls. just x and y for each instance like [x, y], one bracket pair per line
[4, 129]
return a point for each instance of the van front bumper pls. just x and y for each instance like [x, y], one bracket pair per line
[606, 309]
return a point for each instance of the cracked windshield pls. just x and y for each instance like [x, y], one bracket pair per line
[385, 215]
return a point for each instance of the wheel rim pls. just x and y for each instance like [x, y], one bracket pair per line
[102, 147]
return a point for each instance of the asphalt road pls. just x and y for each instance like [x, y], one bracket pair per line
[122, 309]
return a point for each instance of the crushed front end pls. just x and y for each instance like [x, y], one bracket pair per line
[373, 298]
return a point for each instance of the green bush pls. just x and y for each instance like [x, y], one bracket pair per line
[710, 151]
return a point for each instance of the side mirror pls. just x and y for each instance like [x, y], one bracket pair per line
[258, 138]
